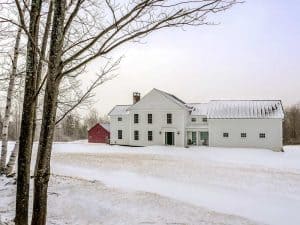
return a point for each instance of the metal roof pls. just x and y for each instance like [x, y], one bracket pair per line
[231, 109]
[222, 109]
[119, 110]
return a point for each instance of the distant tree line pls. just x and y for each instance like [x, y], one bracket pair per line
[72, 127]
[291, 125]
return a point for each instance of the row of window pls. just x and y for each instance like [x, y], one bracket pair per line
[136, 135]
[169, 118]
[136, 118]
[149, 118]
[204, 119]
[244, 135]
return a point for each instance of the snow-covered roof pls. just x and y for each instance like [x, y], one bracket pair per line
[172, 97]
[231, 109]
[119, 110]
[106, 126]
[198, 109]
[219, 109]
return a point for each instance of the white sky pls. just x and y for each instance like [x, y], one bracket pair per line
[253, 54]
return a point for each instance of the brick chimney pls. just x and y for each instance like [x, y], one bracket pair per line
[136, 97]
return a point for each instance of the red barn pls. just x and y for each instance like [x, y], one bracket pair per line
[100, 133]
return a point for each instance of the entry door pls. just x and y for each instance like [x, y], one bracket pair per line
[204, 137]
[169, 138]
[194, 138]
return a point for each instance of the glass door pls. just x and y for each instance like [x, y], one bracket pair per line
[204, 137]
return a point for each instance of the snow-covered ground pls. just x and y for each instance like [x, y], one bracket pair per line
[114, 185]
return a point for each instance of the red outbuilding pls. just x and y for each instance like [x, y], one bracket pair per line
[100, 133]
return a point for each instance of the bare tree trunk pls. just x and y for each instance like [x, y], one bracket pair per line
[12, 161]
[43, 164]
[11, 165]
[25, 150]
[8, 103]
[40, 66]
[49, 114]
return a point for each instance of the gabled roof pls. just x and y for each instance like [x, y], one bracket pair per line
[198, 109]
[119, 110]
[239, 109]
[106, 126]
[169, 96]
[173, 98]
[221, 109]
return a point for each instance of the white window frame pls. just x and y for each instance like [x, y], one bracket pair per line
[150, 134]
[150, 117]
[244, 135]
[120, 137]
[136, 135]
[262, 135]
[136, 118]
[225, 135]
[169, 119]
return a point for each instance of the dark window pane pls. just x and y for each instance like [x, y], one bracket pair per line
[136, 118]
[169, 118]
[149, 118]
[150, 136]
[262, 135]
[204, 135]
[120, 134]
[136, 135]
[194, 136]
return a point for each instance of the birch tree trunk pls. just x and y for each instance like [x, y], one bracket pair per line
[12, 161]
[25, 149]
[13, 156]
[49, 114]
[11, 165]
[8, 103]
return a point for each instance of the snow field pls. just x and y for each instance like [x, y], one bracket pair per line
[102, 184]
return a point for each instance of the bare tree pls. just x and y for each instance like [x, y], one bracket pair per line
[81, 31]
[139, 19]
[26, 132]
[10, 90]
[1, 124]
[49, 114]
[93, 117]
[10, 167]
[291, 125]
[77, 98]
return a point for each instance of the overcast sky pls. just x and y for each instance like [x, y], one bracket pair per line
[254, 53]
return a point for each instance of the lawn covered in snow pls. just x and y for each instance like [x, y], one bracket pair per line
[103, 184]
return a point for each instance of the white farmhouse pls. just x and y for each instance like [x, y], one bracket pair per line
[160, 118]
